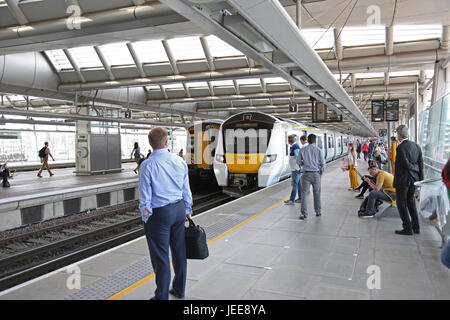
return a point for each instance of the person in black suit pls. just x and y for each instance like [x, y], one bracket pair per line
[408, 169]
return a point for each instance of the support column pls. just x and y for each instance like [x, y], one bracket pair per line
[82, 163]
[298, 13]
[416, 111]
[389, 134]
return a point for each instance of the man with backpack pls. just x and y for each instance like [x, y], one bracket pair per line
[43, 155]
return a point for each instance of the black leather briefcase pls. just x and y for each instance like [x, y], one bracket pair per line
[196, 246]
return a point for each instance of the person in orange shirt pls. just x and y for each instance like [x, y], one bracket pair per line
[393, 153]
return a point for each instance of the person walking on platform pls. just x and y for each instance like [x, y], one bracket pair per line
[295, 169]
[165, 201]
[393, 153]
[44, 153]
[4, 174]
[365, 150]
[352, 167]
[311, 161]
[445, 253]
[408, 169]
[358, 148]
[383, 190]
[136, 153]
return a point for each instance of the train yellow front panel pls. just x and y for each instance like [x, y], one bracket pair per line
[244, 163]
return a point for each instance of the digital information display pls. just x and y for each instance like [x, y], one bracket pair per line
[377, 110]
[392, 110]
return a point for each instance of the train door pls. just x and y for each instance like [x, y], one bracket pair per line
[325, 145]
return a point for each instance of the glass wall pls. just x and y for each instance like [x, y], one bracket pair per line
[434, 136]
[20, 143]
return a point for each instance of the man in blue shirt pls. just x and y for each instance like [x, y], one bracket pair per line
[165, 201]
[295, 169]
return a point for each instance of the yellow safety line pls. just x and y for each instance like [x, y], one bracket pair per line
[143, 281]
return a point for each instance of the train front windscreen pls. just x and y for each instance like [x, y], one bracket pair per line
[246, 137]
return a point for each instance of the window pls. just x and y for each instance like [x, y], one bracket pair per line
[220, 48]
[356, 36]
[86, 57]
[150, 51]
[59, 59]
[416, 32]
[187, 48]
[117, 54]
[318, 38]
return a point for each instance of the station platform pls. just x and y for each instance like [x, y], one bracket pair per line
[31, 199]
[259, 249]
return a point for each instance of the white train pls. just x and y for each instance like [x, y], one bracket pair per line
[253, 151]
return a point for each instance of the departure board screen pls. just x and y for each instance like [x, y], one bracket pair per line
[377, 110]
[392, 109]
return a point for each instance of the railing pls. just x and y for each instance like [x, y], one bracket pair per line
[434, 204]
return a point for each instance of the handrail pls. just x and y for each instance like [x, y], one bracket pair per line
[432, 168]
[419, 183]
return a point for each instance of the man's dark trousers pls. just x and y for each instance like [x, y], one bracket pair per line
[165, 228]
[406, 202]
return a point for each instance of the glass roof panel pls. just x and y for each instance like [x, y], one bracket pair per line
[416, 32]
[173, 86]
[318, 38]
[150, 51]
[153, 87]
[117, 54]
[220, 48]
[197, 84]
[222, 83]
[355, 36]
[59, 59]
[186, 48]
[404, 73]
[248, 81]
[369, 75]
[86, 57]
[274, 80]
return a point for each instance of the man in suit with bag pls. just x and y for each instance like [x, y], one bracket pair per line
[408, 169]
[165, 201]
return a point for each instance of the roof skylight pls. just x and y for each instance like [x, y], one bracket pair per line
[86, 57]
[186, 48]
[150, 51]
[220, 48]
[416, 32]
[117, 54]
[59, 59]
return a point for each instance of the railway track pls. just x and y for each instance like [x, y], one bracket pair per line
[35, 250]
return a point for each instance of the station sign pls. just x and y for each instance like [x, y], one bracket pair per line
[392, 110]
[377, 110]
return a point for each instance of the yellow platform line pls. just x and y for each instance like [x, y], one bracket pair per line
[119, 295]
[151, 276]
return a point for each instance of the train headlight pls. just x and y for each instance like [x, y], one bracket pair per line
[270, 158]
[220, 158]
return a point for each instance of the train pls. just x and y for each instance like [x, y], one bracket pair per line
[201, 144]
[252, 150]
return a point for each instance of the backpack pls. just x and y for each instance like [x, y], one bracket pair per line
[42, 152]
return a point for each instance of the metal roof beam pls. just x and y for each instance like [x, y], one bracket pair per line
[104, 62]
[136, 60]
[74, 64]
[16, 11]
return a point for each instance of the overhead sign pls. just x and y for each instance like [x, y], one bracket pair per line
[382, 132]
[377, 110]
[392, 110]
[293, 107]
[128, 114]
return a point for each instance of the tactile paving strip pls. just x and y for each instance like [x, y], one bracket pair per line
[118, 281]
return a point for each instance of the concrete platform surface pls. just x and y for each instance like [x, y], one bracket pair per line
[259, 249]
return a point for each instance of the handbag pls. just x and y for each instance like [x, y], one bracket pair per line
[195, 238]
